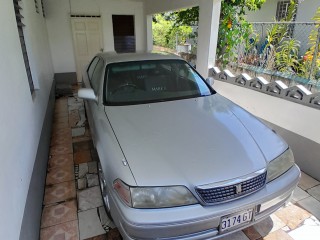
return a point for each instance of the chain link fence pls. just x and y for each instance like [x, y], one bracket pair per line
[287, 51]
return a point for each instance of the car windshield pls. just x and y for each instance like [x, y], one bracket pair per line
[152, 81]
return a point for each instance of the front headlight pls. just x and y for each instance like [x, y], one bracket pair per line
[154, 197]
[280, 165]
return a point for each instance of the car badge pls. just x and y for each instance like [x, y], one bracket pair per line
[238, 188]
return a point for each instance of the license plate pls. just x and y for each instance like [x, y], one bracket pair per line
[233, 220]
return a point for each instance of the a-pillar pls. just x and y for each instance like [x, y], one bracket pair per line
[209, 16]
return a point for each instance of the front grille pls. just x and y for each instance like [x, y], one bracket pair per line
[229, 192]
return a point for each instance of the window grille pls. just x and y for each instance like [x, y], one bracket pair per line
[282, 10]
[20, 25]
[36, 4]
[43, 12]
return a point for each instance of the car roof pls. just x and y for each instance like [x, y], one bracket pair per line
[113, 57]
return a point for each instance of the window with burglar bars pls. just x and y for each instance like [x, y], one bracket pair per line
[282, 10]
[20, 26]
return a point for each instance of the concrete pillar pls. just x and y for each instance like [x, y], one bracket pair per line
[149, 33]
[209, 16]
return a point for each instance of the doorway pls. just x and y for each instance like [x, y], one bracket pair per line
[123, 33]
[87, 40]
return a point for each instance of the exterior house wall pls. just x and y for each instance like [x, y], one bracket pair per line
[22, 113]
[267, 12]
[153, 7]
[60, 33]
[306, 10]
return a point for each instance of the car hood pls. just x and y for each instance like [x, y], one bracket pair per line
[192, 141]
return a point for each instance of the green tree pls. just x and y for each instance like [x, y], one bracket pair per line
[165, 32]
[233, 29]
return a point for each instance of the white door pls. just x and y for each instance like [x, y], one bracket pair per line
[87, 40]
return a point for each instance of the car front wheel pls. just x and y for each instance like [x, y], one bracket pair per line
[104, 190]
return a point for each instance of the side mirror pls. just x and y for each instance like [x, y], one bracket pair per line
[87, 94]
[210, 81]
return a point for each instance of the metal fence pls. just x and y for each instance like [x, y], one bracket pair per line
[263, 55]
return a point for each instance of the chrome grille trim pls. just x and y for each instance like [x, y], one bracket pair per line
[229, 190]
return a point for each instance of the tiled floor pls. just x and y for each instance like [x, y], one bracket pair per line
[73, 207]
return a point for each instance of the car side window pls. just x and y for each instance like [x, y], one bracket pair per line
[92, 66]
[96, 77]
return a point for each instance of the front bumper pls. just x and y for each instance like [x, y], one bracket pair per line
[199, 222]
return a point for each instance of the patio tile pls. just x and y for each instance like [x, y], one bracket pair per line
[61, 101]
[60, 213]
[278, 235]
[101, 237]
[92, 167]
[83, 169]
[63, 231]
[62, 140]
[292, 216]
[74, 118]
[75, 107]
[60, 118]
[85, 137]
[89, 224]
[114, 234]
[82, 157]
[83, 119]
[299, 194]
[82, 183]
[60, 108]
[60, 174]
[78, 131]
[59, 192]
[235, 236]
[82, 146]
[315, 192]
[62, 132]
[311, 205]
[60, 161]
[89, 198]
[269, 225]
[92, 180]
[61, 149]
[74, 101]
[309, 230]
[60, 125]
[307, 182]
[251, 233]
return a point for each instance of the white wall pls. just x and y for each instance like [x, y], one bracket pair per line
[59, 26]
[22, 114]
[291, 116]
[267, 12]
[157, 6]
[305, 12]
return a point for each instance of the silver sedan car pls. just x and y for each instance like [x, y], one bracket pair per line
[178, 160]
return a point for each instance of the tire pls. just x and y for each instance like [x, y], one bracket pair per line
[104, 191]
